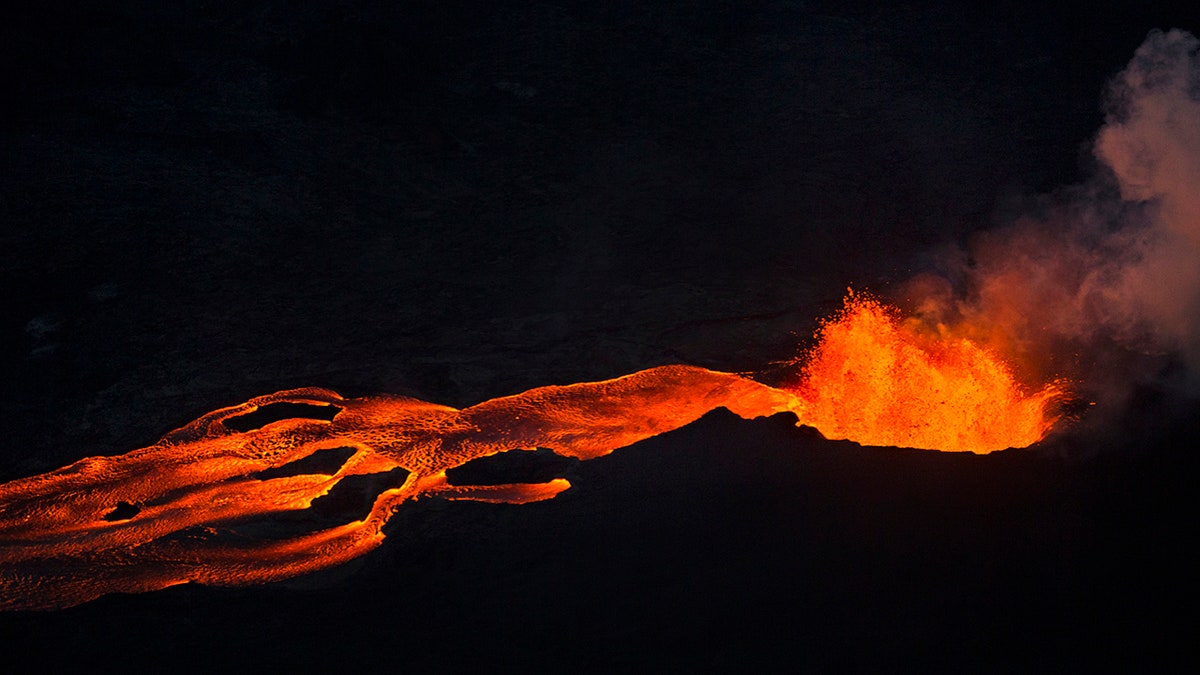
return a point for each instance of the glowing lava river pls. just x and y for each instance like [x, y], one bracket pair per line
[183, 510]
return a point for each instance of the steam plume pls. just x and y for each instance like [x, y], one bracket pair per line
[1102, 282]
[1151, 142]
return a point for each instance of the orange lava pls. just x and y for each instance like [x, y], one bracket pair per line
[198, 506]
[195, 501]
[875, 380]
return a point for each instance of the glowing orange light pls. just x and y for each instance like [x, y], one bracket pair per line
[184, 509]
[64, 539]
[879, 381]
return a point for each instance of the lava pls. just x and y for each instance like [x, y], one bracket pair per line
[877, 380]
[190, 507]
[198, 505]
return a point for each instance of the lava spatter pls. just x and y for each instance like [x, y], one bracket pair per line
[876, 380]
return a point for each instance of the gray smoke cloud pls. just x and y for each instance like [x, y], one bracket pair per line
[1099, 282]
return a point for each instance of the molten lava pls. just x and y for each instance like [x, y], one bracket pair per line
[191, 508]
[876, 380]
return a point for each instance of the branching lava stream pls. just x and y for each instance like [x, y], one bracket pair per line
[60, 546]
[181, 510]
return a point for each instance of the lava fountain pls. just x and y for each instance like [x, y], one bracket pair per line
[878, 380]
[192, 507]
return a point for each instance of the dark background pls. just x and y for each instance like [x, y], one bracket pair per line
[207, 201]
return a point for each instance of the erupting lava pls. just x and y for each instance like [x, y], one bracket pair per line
[196, 506]
[877, 381]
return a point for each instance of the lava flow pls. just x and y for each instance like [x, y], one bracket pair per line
[877, 380]
[190, 508]
[198, 505]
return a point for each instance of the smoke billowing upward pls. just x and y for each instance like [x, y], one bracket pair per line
[1152, 144]
[1101, 281]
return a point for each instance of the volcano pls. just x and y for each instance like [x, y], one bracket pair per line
[455, 204]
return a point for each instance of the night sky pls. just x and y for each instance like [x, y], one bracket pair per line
[455, 201]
